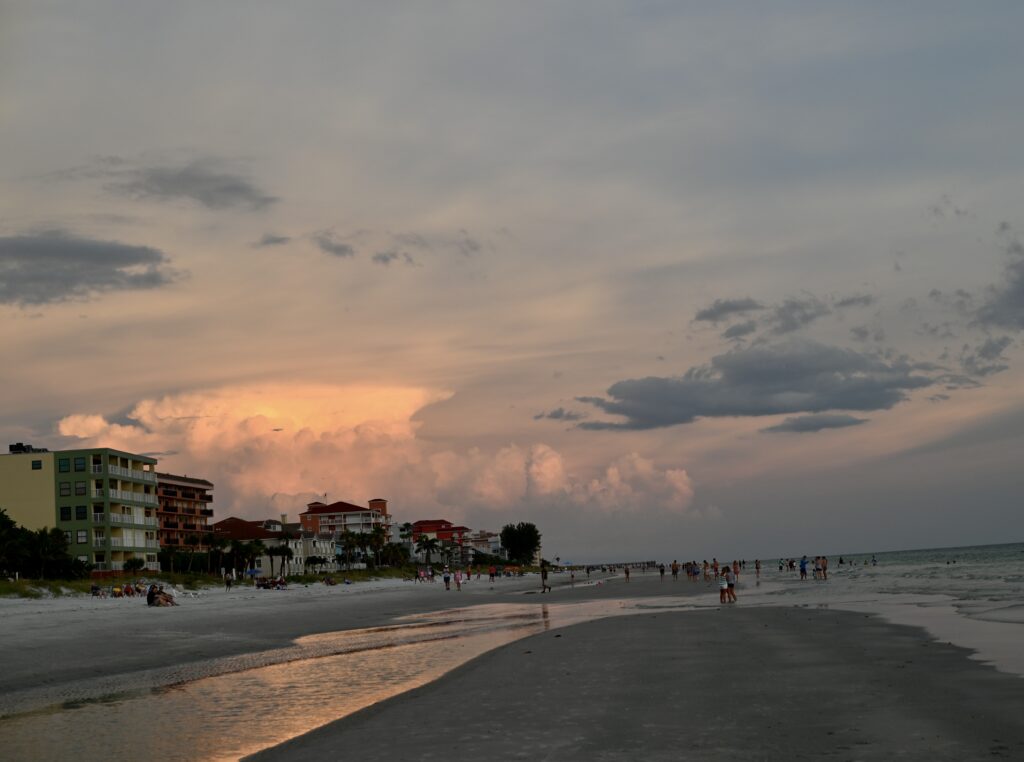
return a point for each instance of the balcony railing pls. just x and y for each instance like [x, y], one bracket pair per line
[131, 473]
[127, 518]
[206, 511]
[99, 518]
[97, 468]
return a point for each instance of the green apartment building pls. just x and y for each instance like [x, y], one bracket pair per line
[104, 500]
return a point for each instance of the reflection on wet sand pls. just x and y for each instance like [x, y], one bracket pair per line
[327, 677]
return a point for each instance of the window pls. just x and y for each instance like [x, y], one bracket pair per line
[99, 535]
[63, 465]
[82, 536]
[37, 465]
[100, 557]
[65, 489]
[80, 463]
[79, 488]
[81, 512]
[67, 536]
[65, 513]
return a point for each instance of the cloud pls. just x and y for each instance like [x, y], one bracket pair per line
[740, 330]
[1004, 305]
[329, 243]
[201, 181]
[385, 258]
[862, 300]
[863, 333]
[274, 447]
[559, 414]
[795, 376]
[794, 314]
[270, 239]
[812, 423]
[986, 359]
[721, 309]
[56, 266]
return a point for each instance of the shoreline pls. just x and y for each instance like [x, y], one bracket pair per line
[762, 683]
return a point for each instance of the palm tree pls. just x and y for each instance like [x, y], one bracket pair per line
[216, 545]
[256, 549]
[377, 539]
[405, 532]
[349, 543]
[271, 552]
[426, 546]
[192, 540]
[287, 554]
[239, 552]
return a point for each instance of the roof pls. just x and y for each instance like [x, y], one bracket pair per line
[242, 529]
[160, 477]
[338, 507]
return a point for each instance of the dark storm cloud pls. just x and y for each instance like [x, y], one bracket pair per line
[386, 258]
[789, 377]
[987, 359]
[794, 314]
[559, 414]
[201, 181]
[55, 266]
[740, 330]
[329, 243]
[862, 300]
[805, 424]
[721, 309]
[270, 239]
[863, 333]
[1004, 305]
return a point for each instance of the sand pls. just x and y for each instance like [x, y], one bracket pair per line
[750, 681]
[760, 683]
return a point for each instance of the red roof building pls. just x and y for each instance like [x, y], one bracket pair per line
[341, 517]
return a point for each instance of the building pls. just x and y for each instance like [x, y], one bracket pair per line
[341, 517]
[273, 534]
[183, 511]
[446, 534]
[104, 500]
[486, 542]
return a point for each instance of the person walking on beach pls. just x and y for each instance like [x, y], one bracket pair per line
[661, 572]
[625, 569]
[803, 568]
[730, 584]
[675, 571]
[723, 590]
[824, 567]
[228, 579]
[544, 586]
[447, 577]
[458, 580]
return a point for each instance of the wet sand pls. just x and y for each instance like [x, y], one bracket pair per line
[720, 684]
[78, 649]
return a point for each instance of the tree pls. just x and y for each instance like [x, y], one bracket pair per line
[447, 550]
[405, 532]
[426, 546]
[255, 550]
[133, 564]
[287, 554]
[217, 545]
[377, 539]
[521, 540]
[348, 545]
[192, 541]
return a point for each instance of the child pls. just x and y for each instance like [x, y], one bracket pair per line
[723, 590]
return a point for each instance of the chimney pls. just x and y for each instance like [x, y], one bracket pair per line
[284, 520]
[378, 504]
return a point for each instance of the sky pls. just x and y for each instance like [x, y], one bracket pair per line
[670, 280]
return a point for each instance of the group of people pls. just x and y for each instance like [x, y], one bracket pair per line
[155, 594]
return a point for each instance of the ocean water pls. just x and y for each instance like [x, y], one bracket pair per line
[971, 596]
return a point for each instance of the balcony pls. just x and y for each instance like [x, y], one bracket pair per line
[170, 525]
[206, 511]
[97, 468]
[99, 518]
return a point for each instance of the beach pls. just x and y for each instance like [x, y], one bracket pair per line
[601, 667]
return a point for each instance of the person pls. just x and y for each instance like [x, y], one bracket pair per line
[757, 568]
[675, 570]
[661, 572]
[625, 568]
[803, 568]
[228, 579]
[447, 577]
[491, 571]
[730, 581]
[151, 595]
[458, 580]
[824, 567]
[723, 590]
[544, 586]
